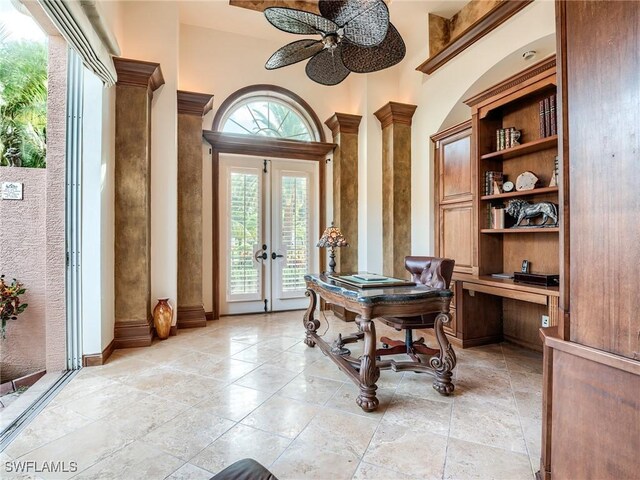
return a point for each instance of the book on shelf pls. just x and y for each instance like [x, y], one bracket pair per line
[506, 275]
[552, 114]
[489, 178]
[497, 217]
[548, 116]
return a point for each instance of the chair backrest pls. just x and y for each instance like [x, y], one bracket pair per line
[431, 271]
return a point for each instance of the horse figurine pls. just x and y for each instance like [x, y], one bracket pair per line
[521, 210]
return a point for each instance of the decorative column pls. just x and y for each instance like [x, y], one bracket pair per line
[191, 108]
[344, 128]
[395, 119]
[137, 80]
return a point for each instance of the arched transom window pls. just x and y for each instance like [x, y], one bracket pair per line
[269, 114]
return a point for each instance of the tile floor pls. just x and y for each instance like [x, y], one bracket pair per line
[187, 407]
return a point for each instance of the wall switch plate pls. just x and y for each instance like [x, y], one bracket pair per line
[545, 320]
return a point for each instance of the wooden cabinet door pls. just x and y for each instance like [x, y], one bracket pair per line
[456, 239]
[455, 179]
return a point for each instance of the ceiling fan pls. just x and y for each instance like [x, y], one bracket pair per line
[356, 36]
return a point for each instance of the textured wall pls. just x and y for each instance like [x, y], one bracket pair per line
[56, 266]
[23, 256]
[345, 198]
[396, 190]
[190, 211]
[132, 206]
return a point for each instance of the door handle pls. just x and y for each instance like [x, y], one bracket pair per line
[274, 255]
[261, 256]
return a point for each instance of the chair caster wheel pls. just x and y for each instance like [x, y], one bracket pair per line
[384, 345]
[378, 358]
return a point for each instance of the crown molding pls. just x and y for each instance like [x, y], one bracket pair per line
[395, 113]
[343, 123]
[137, 73]
[192, 103]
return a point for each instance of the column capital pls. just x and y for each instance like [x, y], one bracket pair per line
[395, 113]
[192, 103]
[343, 123]
[137, 73]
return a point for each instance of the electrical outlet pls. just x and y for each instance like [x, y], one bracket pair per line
[545, 320]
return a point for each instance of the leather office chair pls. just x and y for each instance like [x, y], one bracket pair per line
[430, 271]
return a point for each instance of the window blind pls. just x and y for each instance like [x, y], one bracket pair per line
[81, 25]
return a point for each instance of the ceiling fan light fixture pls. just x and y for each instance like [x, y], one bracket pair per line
[356, 36]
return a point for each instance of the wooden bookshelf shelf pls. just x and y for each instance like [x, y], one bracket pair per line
[521, 230]
[529, 147]
[535, 191]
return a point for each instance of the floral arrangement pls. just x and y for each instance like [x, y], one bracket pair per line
[10, 306]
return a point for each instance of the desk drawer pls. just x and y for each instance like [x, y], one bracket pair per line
[506, 293]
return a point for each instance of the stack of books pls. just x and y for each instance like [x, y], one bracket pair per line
[548, 121]
[489, 179]
[505, 138]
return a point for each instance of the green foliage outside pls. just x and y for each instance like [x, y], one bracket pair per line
[23, 102]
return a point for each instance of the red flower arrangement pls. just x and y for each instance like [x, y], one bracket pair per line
[10, 306]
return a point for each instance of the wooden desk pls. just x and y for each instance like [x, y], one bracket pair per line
[369, 304]
[479, 322]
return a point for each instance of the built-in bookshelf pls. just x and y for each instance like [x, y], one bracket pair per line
[486, 309]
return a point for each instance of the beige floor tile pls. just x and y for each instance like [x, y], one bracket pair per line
[85, 447]
[421, 385]
[301, 460]
[325, 368]
[367, 471]
[339, 432]
[107, 401]
[283, 416]
[80, 387]
[345, 400]
[193, 389]
[154, 379]
[231, 370]
[281, 342]
[198, 363]
[190, 472]
[296, 362]
[234, 402]
[137, 461]
[143, 416]
[188, 433]
[122, 367]
[488, 424]
[532, 429]
[529, 404]
[267, 378]
[466, 460]
[403, 450]
[309, 352]
[308, 388]
[257, 354]
[419, 413]
[50, 424]
[238, 443]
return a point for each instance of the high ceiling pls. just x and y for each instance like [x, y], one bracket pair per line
[409, 17]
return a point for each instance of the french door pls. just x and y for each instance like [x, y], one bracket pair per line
[268, 229]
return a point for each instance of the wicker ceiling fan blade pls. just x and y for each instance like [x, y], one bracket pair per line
[327, 68]
[293, 52]
[297, 21]
[371, 59]
[365, 22]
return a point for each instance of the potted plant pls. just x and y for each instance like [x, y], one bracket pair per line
[10, 306]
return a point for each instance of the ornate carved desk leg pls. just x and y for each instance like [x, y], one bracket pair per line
[444, 362]
[310, 323]
[369, 372]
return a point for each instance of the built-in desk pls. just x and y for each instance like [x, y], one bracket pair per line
[479, 312]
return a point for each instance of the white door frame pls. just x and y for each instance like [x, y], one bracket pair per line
[270, 269]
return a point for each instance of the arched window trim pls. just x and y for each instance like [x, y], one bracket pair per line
[271, 93]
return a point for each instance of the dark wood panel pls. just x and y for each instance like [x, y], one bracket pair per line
[595, 419]
[456, 234]
[603, 84]
[521, 322]
[455, 168]
[475, 32]
[481, 321]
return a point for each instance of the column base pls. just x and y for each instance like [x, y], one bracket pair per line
[191, 317]
[135, 333]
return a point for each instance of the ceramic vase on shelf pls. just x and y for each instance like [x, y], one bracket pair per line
[162, 317]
